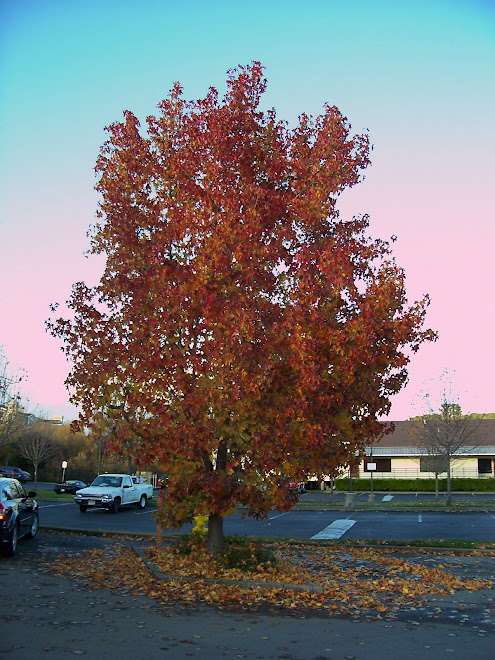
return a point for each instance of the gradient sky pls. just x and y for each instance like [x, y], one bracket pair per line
[420, 76]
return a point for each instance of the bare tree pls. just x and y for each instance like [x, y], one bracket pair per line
[437, 465]
[446, 432]
[12, 415]
[37, 445]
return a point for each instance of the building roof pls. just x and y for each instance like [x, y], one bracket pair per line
[405, 440]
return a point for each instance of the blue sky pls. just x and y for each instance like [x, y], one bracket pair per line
[419, 75]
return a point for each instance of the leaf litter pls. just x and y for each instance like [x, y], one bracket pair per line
[304, 579]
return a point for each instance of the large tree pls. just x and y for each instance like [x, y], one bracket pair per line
[242, 333]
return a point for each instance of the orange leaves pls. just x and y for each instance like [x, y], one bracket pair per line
[348, 581]
[240, 320]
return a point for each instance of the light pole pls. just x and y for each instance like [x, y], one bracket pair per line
[371, 466]
[352, 462]
[346, 443]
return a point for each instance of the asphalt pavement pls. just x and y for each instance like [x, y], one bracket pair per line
[327, 522]
[59, 618]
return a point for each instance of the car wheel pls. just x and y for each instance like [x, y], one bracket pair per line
[142, 502]
[10, 548]
[34, 526]
[83, 508]
[115, 505]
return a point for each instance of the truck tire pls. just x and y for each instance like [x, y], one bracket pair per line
[83, 508]
[115, 505]
[142, 502]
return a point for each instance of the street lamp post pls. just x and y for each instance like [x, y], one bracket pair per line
[371, 466]
[350, 495]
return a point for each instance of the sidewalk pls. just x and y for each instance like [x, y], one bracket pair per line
[46, 616]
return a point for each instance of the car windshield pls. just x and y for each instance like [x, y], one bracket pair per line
[107, 480]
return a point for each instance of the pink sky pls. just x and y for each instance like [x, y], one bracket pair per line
[419, 75]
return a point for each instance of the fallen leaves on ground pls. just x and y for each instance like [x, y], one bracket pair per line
[352, 581]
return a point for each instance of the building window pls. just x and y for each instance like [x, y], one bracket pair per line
[382, 465]
[484, 465]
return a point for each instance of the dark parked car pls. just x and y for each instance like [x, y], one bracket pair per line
[14, 473]
[71, 486]
[18, 514]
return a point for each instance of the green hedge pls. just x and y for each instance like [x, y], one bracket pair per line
[416, 485]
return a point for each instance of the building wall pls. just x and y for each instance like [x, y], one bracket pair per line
[409, 468]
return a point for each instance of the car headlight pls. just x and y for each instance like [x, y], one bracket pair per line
[106, 498]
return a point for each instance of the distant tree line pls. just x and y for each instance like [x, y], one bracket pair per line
[41, 447]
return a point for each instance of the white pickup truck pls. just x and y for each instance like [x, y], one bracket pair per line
[111, 491]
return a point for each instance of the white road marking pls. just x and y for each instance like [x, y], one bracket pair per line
[387, 498]
[278, 515]
[420, 518]
[50, 506]
[334, 531]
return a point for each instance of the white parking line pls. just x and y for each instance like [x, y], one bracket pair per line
[334, 531]
[278, 515]
[420, 518]
[387, 498]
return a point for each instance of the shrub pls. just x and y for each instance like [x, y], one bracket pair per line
[187, 543]
[238, 553]
[417, 485]
[246, 555]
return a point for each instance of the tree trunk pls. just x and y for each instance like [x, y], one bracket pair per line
[436, 485]
[215, 534]
[449, 484]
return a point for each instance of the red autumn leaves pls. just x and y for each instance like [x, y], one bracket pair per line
[243, 333]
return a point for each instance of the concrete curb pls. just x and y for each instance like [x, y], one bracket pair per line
[157, 574]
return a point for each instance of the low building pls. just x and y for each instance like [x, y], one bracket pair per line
[399, 455]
